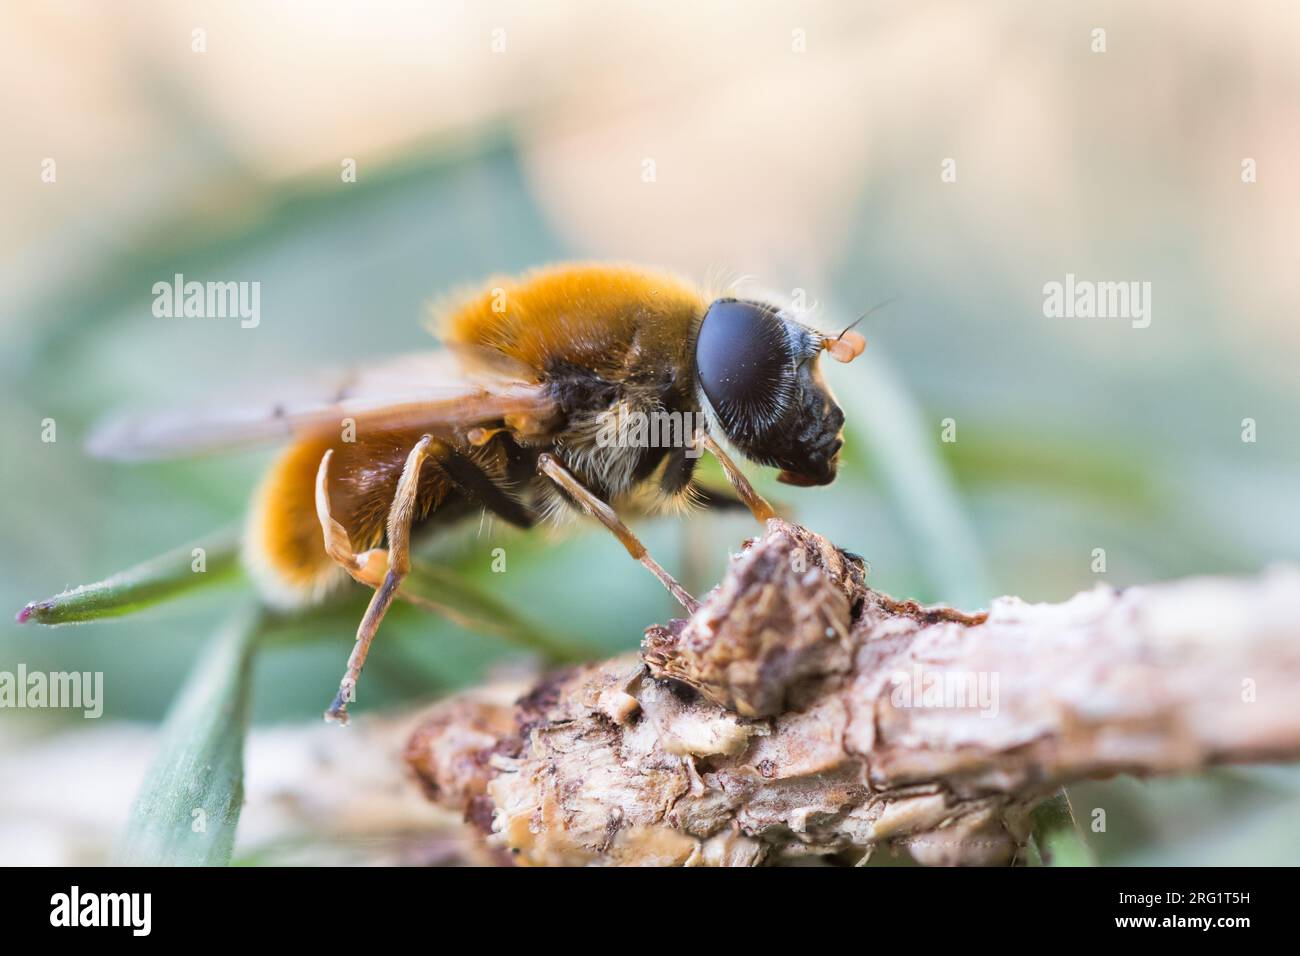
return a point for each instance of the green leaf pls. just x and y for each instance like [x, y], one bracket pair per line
[1057, 836]
[434, 587]
[446, 592]
[188, 806]
[142, 586]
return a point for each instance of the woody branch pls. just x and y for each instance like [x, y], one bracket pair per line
[800, 712]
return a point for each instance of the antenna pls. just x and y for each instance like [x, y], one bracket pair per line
[848, 345]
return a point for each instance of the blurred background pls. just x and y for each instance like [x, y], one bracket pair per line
[805, 145]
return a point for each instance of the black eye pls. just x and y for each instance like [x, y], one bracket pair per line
[744, 358]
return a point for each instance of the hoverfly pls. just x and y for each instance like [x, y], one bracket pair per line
[506, 418]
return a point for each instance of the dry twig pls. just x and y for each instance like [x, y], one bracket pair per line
[800, 713]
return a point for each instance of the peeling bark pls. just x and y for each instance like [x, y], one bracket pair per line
[800, 713]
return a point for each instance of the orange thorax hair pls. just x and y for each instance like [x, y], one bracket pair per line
[608, 319]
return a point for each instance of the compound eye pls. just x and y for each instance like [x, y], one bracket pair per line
[743, 356]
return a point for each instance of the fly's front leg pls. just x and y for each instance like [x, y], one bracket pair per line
[400, 515]
[756, 502]
[602, 512]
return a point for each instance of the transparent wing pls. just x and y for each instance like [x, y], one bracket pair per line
[429, 390]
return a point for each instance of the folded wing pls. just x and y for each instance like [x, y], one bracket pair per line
[429, 391]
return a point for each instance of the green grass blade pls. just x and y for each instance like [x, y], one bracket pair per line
[449, 593]
[142, 586]
[902, 449]
[1057, 836]
[188, 806]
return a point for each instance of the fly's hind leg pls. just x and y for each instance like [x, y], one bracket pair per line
[602, 512]
[369, 566]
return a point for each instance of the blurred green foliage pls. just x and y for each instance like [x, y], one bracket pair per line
[1055, 457]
